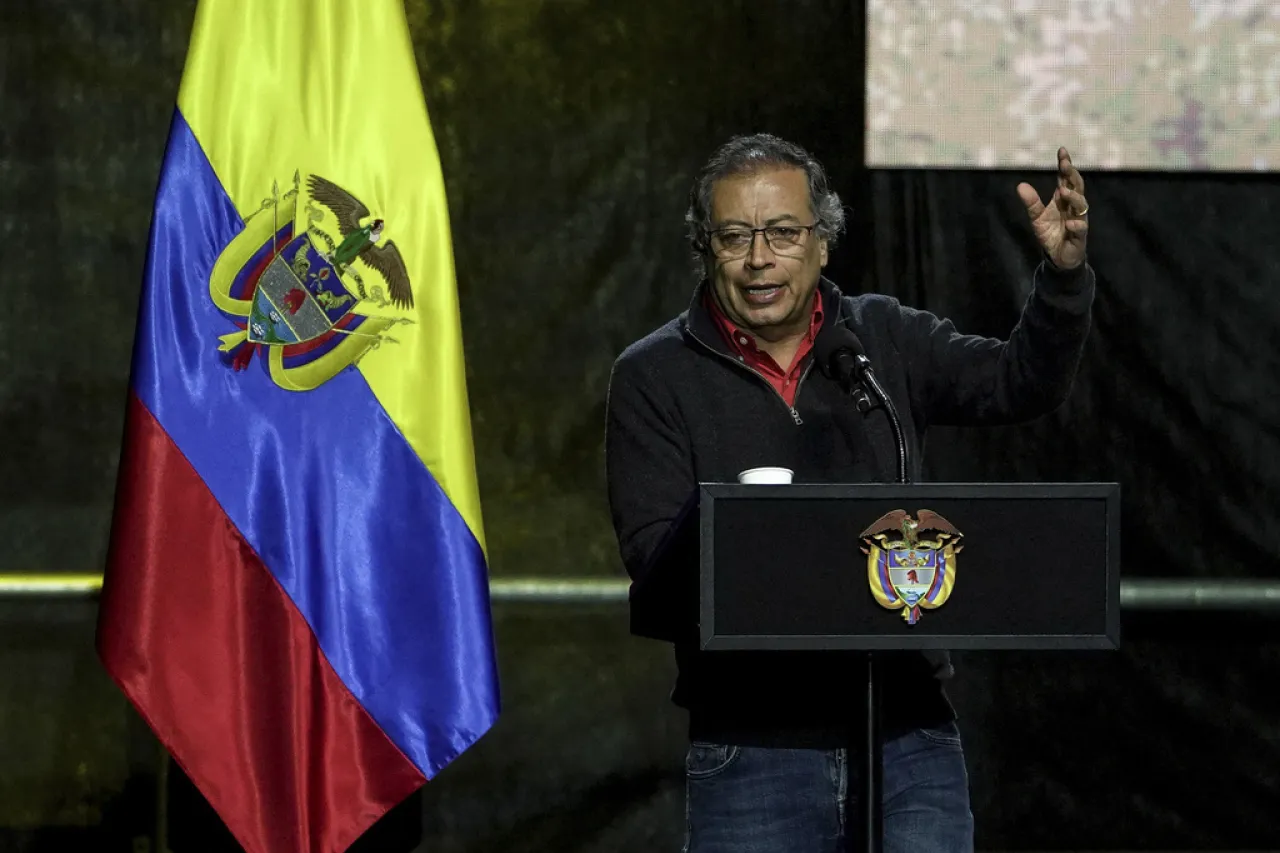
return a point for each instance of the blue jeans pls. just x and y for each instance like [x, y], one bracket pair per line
[756, 800]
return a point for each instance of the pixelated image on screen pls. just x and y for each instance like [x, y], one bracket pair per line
[1124, 84]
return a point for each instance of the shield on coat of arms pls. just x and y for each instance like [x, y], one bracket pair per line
[911, 562]
[300, 296]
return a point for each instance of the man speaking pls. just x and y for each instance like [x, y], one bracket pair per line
[729, 385]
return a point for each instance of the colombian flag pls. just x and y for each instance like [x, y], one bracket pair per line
[296, 595]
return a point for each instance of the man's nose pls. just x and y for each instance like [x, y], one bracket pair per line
[761, 254]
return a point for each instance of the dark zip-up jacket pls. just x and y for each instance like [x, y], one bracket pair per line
[683, 410]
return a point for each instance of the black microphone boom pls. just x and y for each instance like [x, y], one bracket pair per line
[840, 355]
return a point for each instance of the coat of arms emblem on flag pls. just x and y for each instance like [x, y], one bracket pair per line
[911, 562]
[290, 282]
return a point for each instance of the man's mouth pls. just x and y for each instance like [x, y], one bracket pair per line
[762, 294]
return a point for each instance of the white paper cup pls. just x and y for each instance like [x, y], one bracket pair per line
[765, 476]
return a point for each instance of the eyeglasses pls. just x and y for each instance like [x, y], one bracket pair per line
[729, 243]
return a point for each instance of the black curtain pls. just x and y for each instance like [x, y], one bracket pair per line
[1172, 743]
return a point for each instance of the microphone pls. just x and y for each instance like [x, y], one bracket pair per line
[841, 357]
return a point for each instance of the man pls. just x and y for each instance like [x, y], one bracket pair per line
[728, 386]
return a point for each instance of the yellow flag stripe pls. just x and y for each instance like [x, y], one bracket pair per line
[330, 88]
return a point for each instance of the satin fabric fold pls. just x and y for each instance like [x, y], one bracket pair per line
[216, 658]
[345, 650]
[324, 488]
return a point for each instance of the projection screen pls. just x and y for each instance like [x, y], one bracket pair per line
[1142, 85]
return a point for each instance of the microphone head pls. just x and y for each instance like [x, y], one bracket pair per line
[832, 343]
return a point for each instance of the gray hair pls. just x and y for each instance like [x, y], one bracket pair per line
[744, 155]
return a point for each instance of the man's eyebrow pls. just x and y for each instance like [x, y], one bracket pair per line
[774, 221]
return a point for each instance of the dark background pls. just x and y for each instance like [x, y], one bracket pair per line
[569, 133]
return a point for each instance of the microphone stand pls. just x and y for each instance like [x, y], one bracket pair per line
[868, 377]
[862, 377]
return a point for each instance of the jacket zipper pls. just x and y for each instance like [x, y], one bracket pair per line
[795, 416]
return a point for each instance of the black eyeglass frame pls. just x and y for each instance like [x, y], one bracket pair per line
[764, 232]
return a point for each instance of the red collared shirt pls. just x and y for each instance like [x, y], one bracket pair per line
[742, 345]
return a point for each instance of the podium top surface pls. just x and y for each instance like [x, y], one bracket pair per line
[1109, 492]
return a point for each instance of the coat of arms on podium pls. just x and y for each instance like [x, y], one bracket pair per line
[911, 562]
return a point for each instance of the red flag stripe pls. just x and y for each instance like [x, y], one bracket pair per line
[194, 628]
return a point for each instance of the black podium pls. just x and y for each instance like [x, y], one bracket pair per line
[880, 567]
